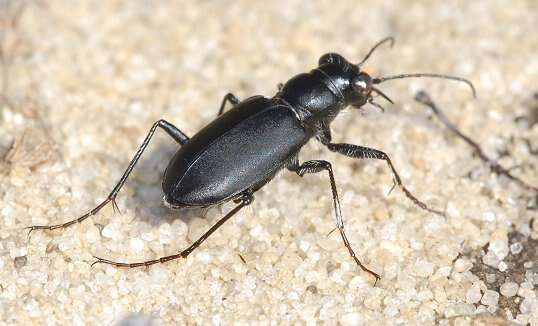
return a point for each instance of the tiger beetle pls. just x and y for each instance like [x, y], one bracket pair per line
[242, 149]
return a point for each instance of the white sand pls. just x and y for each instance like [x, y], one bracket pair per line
[87, 80]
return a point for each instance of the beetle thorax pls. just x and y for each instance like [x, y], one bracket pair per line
[315, 95]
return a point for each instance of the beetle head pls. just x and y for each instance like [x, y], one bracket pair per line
[357, 86]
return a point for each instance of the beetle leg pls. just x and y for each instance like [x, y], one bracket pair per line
[324, 135]
[316, 166]
[424, 98]
[245, 201]
[227, 98]
[170, 129]
[362, 152]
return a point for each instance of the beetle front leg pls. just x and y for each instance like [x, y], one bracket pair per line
[227, 98]
[424, 98]
[169, 128]
[316, 166]
[362, 152]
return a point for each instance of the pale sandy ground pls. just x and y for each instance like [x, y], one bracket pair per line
[86, 79]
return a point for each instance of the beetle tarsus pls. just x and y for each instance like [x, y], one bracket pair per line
[115, 206]
[170, 129]
[68, 223]
[245, 201]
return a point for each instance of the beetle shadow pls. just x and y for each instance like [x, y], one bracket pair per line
[146, 185]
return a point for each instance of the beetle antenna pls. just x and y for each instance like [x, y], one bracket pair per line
[386, 39]
[379, 80]
[383, 95]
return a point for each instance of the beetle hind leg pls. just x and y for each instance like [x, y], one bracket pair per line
[170, 129]
[245, 200]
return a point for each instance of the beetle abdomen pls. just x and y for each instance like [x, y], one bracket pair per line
[251, 151]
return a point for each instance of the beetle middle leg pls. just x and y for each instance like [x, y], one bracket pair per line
[316, 166]
[227, 98]
[362, 152]
[170, 129]
[245, 200]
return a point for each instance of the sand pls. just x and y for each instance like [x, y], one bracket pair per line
[82, 83]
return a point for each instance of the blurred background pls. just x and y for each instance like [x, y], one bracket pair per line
[81, 82]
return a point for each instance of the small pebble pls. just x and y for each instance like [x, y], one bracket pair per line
[473, 295]
[459, 309]
[357, 282]
[499, 248]
[110, 231]
[390, 311]
[352, 318]
[490, 298]
[509, 289]
[462, 265]
[491, 259]
[312, 276]
[165, 233]
[148, 236]
[137, 245]
[66, 244]
[516, 248]
[480, 309]
[531, 276]
[257, 232]
[304, 245]
[526, 285]
[526, 290]
[424, 268]
[425, 295]
[492, 309]
[502, 266]
[527, 305]
[92, 235]
[489, 216]
[381, 213]
[312, 289]
[20, 262]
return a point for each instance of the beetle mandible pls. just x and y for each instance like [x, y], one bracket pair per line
[242, 149]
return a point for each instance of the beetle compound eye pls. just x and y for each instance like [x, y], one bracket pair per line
[362, 84]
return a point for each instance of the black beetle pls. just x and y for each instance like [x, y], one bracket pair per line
[243, 149]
